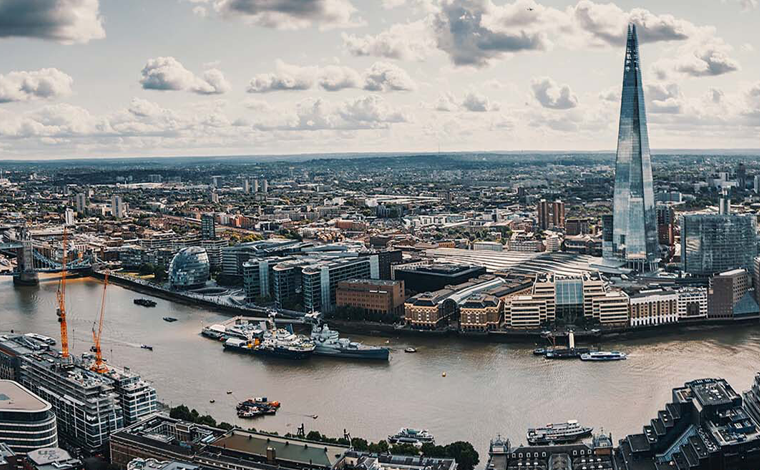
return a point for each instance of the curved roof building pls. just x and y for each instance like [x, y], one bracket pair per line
[189, 268]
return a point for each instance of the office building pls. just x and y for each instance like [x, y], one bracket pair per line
[118, 207]
[386, 259]
[214, 197]
[208, 227]
[692, 303]
[27, 422]
[757, 184]
[383, 298]
[634, 225]
[214, 249]
[653, 308]
[189, 268]
[264, 186]
[216, 181]
[729, 298]
[433, 277]
[81, 203]
[741, 176]
[611, 309]
[665, 224]
[716, 243]
[51, 459]
[246, 186]
[320, 280]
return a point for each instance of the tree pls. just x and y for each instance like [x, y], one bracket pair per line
[404, 449]
[464, 453]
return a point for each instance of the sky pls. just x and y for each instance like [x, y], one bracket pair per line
[106, 78]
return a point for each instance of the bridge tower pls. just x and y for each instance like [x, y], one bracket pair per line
[26, 275]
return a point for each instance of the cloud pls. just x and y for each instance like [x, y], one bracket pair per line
[286, 14]
[167, 73]
[383, 76]
[748, 5]
[608, 23]
[611, 94]
[407, 41]
[477, 103]
[552, 95]
[368, 112]
[475, 32]
[380, 76]
[64, 21]
[472, 101]
[664, 98]
[35, 85]
[287, 77]
[336, 77]
[707, 60]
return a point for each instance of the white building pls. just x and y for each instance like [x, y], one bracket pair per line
[692, 303]
[81, 203]
[651, 308]
[68, 216]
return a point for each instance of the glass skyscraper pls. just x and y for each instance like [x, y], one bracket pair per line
[634, 223]
[713, 243]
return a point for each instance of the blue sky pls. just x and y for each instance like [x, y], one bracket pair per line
[91, 78]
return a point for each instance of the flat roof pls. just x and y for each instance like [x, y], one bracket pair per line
[287, 449]
[14, 397]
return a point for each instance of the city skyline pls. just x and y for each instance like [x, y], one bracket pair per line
[200, 77]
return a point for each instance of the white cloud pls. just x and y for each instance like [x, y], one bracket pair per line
[336, 77]
[664, 98]
[383, 76]
[368, 112]
[404, 41]
[380, 76]
[35, 85]
[64, 21]
[472, 101]
[167, 73]
[702, 58]
[552, 95]
[286, 14]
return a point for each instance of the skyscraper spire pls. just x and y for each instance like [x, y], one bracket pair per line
[634, 222]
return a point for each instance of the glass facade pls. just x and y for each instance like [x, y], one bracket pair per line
[189, 268]
[634, 223]
[569, 300]
[712, 244]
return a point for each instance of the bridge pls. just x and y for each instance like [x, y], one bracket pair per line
[40, 252]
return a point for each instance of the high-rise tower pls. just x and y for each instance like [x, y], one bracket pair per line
[634, 224]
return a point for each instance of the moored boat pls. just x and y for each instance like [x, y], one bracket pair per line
[278, 343]
[144, 302]
[603, 356]
[411, 436]
[558, 433]
[170, 319]
[329, 343]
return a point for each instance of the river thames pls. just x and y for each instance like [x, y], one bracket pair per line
[488, 389]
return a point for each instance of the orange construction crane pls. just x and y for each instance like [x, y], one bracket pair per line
[61, 295]
[100, 365]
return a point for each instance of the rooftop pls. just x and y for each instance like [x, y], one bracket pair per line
[286, 449]
[14, 397]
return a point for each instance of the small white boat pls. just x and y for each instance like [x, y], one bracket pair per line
[603, 356]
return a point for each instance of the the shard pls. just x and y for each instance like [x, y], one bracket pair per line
[634, 222]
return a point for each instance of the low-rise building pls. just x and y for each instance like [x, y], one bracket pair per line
[653, 307]
[51, 459]
[373, 296]
[692, 303]
[611, 309]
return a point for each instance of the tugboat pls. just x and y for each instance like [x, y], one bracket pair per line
[255, 407]
[604, 356]
[329, 343]
[144, 302]
[170, 319]
[411, 436]
[561, 433]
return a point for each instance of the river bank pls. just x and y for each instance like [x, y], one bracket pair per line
[390, 330]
